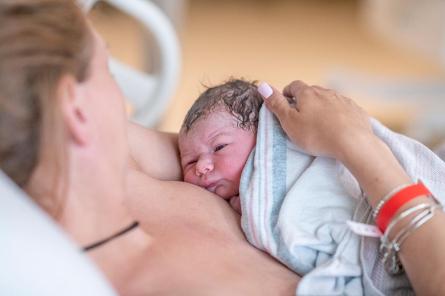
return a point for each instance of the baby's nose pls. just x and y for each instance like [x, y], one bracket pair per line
[204, 166]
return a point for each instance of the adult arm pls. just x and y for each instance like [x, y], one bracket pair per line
[154, 153]
[325, 123]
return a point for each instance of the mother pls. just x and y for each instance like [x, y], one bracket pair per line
[64, 139]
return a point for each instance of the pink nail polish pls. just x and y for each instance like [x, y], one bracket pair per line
[265, 90]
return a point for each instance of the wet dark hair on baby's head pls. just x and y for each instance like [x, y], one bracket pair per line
[236, 96]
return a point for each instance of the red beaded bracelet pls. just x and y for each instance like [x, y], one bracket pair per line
[397, 201]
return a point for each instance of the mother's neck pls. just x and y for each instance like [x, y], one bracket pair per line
[90, 194]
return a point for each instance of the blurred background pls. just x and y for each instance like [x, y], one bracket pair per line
[388, 55]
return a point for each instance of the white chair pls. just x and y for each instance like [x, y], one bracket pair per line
[36, 257]
[149, 94]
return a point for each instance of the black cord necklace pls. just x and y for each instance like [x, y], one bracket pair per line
[132, 226]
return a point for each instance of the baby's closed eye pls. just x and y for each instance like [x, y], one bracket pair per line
[190, 162]
[219, 147]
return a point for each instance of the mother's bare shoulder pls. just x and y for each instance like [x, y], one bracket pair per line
[154, 153]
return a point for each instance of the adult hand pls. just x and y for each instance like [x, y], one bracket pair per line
[318, 120]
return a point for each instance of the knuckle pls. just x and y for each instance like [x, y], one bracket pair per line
[306, 91]
[296, 85]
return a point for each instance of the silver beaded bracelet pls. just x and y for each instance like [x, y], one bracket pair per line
[390, 256]
[387, 197]
[424, 218]
[384, 239]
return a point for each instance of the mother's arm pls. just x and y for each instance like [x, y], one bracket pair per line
[343, 132]
[154, 153]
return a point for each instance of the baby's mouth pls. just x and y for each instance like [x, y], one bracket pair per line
[212, 187]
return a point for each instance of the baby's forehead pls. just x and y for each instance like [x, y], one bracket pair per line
[214, 120]
[210, 127]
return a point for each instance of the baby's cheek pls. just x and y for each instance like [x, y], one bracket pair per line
[235, 173]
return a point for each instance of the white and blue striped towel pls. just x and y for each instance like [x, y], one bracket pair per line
[295, 207]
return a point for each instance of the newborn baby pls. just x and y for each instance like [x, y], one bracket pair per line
[294, 206]
[217, 136]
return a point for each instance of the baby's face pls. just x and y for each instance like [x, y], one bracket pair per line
[214, 152]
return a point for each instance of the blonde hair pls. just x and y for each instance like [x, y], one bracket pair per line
[40, 42]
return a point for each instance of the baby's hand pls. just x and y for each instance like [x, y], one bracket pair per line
[235, 204]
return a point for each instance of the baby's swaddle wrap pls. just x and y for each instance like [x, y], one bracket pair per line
[295, 207]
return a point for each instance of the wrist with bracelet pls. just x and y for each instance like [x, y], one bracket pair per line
[399, 227]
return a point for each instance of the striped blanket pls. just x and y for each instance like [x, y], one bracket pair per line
[295, 207]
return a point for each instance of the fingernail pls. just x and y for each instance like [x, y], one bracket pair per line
[265, 90]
